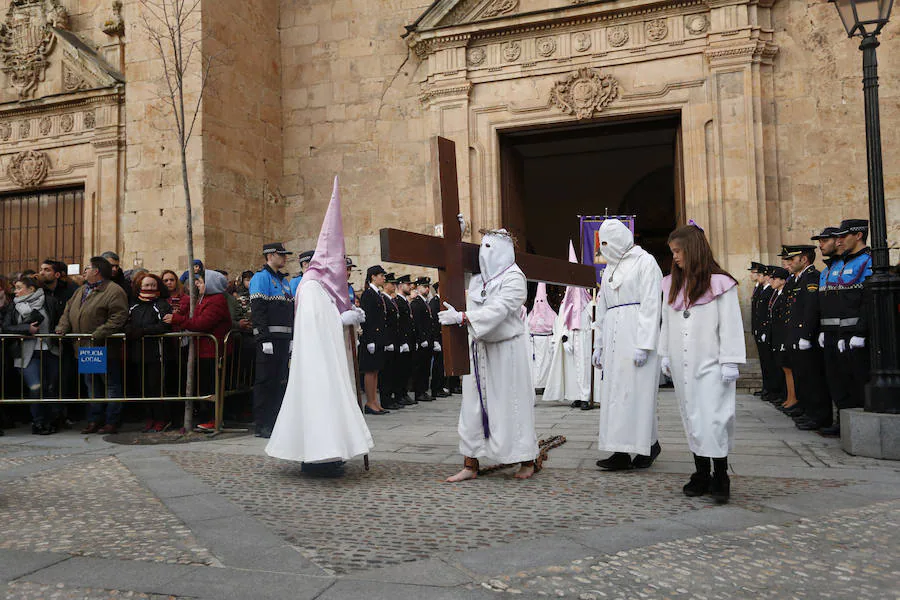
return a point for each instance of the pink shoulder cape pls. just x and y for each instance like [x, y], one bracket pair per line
[718, 285]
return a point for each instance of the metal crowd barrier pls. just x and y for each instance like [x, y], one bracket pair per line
[172, 370]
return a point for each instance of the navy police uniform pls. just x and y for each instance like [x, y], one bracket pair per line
[424, 339]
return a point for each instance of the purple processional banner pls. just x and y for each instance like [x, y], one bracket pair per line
[590, 241]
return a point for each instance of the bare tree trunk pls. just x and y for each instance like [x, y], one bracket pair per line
[189, 226]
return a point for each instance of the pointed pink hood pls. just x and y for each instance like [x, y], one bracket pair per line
[542, 316]
[328, 265]
[575, 300]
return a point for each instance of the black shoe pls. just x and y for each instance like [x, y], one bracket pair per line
[812, 425]
[697, 486]
[720, 487]
[35, 429]
[369, 411]
[439, 394]
[263, 431]
[424, 398]
[619, 461]
[588, 406]
[642, 461]
[758, 393]
[456, 390]
[793, 411]
[575, 404]
[405, 399]
[831, 431]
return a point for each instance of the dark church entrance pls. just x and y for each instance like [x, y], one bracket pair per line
[551, 175]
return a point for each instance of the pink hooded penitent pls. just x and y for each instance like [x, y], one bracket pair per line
[575, 300]
[542, 316]
[328, 265]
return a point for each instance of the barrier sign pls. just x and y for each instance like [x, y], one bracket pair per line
[92, 361]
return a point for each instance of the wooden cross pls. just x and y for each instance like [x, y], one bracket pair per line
[453, 258]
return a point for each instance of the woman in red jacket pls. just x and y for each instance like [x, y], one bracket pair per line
[211, 315]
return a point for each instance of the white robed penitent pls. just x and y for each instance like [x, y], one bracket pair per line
[569, 377]
[627, 317]
[540, 329]
[320, 419]
[496, 419]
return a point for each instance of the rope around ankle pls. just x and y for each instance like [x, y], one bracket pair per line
[544, 447]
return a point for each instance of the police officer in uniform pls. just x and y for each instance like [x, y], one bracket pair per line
[759, 315]
[387, 381]
[424, 339]
[754, 321]
[374, 339]
[829, 324]
[437, 362]
[803, 332]
[272, 314]
[407, 341]
[775, 335]
[853, 299]
[304, 258]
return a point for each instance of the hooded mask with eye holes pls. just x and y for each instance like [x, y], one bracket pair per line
[496, 254]
[615, 240]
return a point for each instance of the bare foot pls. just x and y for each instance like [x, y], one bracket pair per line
[462, 476]
[525, 471]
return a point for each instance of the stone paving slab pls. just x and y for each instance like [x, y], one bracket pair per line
[400, 512]
[42, 591]
[15, 563]
[850, 554]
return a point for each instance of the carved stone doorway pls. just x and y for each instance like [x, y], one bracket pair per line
[550, 175]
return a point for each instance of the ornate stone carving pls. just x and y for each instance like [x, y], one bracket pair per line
[29, 168]
[66, 123]
[512, 51]
[5, 131]
[25, 128]
[656, 30]
[90, 120]
[696, 24]
[114, 24]
[584, 92]
[72, 81]
[582, 41]
[617, 36]
[476, 57]
[45, 125]
[546, 46]
[499, 7]
[26, 38]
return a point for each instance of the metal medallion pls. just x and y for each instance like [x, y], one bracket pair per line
[484, 293]
[686, 314]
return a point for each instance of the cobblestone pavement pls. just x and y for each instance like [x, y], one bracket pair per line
[96, 508]
[59, 591]
[853, 554]
[401, 512]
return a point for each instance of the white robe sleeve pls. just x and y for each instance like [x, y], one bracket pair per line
[646, 335]
[663, 346]
[600, 313]
[488, 319]
[731, 329]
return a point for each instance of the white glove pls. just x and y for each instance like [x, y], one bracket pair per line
[803, 344]
[462, 224]
[291, 346]
[821, 339]
[666, 366]
[423, 345]
[596, 357]
[437, 346]
[640, 357]
[730, 372]
[371, 347]
[353, 317]
[451, 316]
[842, 345]
[404, 348]
[389, 348]
[568, 346]
[857, 342]
[268, 348]
[763, 337]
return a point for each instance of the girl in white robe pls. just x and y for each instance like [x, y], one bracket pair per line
[540, 328]
[496, 418]
[701, 344]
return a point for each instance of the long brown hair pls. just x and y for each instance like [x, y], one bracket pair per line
[699, 264]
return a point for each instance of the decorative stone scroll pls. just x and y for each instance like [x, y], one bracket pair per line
[45, 124]
[584, 92]
[546, 46]
[66, 122]
[499, 7]
[28, 168]
[476, 56]
[512, 51]
[617, 36]
[26, 39]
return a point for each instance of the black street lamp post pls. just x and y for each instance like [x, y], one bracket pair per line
[866, 18]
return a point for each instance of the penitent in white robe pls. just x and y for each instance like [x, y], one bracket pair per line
[697, 346]
[320, 419]
[501, 369]
[628, 313]
[569, 377]
[541, 357]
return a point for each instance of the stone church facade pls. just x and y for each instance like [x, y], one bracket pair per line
[766, 95]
